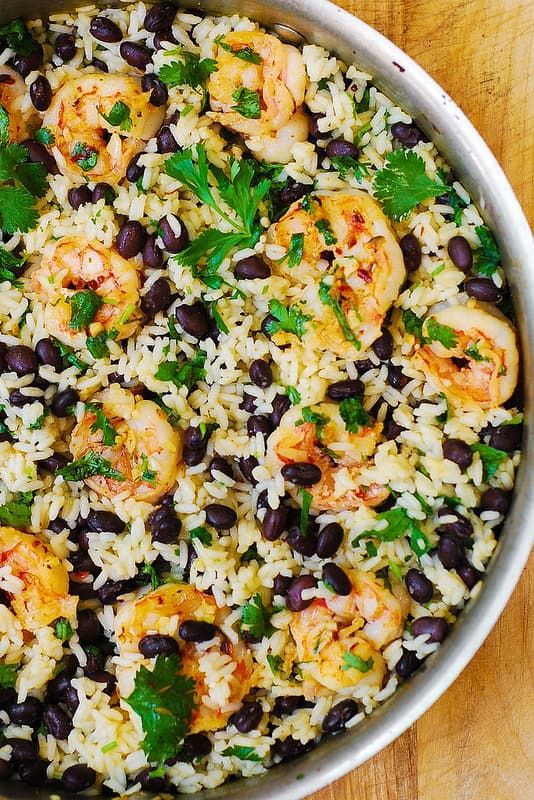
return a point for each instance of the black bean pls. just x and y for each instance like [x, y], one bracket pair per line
[340, 147]
[110, 590]
[281, 584]
[63, 401]
[71, 699]
[248, 717]
[136, 55]
[313, 128]
[78, 777]
[33, 772]
[383, 346]
[56, 721]
[259, 423]
[157, 644]
[26, 713]
[341, 390]
[65, 46]
[105, 677]
[191, 457]
[392, 429]
[82, 586]
[193, 319]
[407, 664]
[195, 437]
[329, 540]
[22, 749]
[247, 465]
[158, 298]
[166, 143]
[288, 748]
[220, 464]
[155, 784]
[97, 63]
[437, 627]
[8, 697]
[163, 36]
[407, 134]
[251, 268]
[158, 91]
[21, 359]
[193, 630]
[418, 585]
[396, 378]
[104, 521]
[468, 574]
[460, 253]
[337, 579]
[152, 255]
[41, 93]
[294, 599]
[301, 543]
[411, 252]
[302, 473]
[79, 196]
[56, 688]
[6, 769]
[458, 451]
[507, 437]
[38, 154]
[57, 525]
[495, 499]
[483, 289]
[281, 403]
[89, 628]
[103, 191]
[450, 552]
[134, 170]
[95, 660]
[339, 715]
[130, 238]
[105, 30]
[196, 745]
[220, 517]
[261, 373]
[173, 242]
[18, 399]
[24, 64]
[274, 523]
[164, 525]
[292, 192]
[461, 527]
[285, 706]
[160, 17]
[48, 353]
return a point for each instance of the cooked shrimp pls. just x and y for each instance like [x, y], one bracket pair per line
[43, 595]
[12, 91]
[338, 640]
[481, 369]
[349, 300]
[90, 141]
[74, 263]
[279, 83]
[146, 451]
[340, 455]
[162, 611]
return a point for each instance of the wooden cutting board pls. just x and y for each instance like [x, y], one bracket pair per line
[477, 741]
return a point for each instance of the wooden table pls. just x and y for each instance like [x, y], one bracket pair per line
[477, 741]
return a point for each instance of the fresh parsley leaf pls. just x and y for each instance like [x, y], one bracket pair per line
[202, 534]
[244, 53]
[191, 70]
[324, 227]
[412, 324]
[102, 423]
[294, 395]
[17, 512]
[326, 298]
[398, 524]
[436, 332]
[119, 116]
[353, 414]
[187, 373]
[16, 36]
[85, 156]
[247, 102]
[164, 699]
[44, 136]
[403, 183]
[344, 165]
[275, 663]
[8, 675]
[352, 661]
[84, 306]
[290, 319]
[491, 458]
[242, 752]
[255, 618]
[62, 629]
[17, 209]
[487, 257]
[88, 465]
[305, 498]
[98, 345]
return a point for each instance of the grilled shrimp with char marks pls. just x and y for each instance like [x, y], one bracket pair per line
[171, 605]
[146, 451]
[91, 142]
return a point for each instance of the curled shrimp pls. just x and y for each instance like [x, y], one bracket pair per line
[338, 640]
[481, 369]
[162, 611]
[275, 73]
[340, 455]
[43, 595]
[99, 122]
[350, 298]
[146, 450]
[73, 263]
[12, 91]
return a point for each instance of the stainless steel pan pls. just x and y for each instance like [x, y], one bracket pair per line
[436, 113]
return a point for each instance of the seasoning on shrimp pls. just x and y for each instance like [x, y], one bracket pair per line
[12, 91]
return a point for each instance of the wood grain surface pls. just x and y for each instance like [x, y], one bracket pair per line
[477, 741]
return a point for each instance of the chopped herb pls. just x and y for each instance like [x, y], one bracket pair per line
[371, 549]
[84, 306]
[255, 618]
[457, 204]
[119, 116]
[439, 269]
[247, 102]
[148, 475]
[242, 752]
[97, 345]
[398, 524]
[8, 675]
[16, 36]
[361, 133]
[352, 661]
[446, 415]
[395, 569]
[17, 513]
[86, 157]
[473, 352]
[191, 70]
[63, 629]
[294, 251]
[403, 183]
[219, 321]
[202, 534]
[21, 182]
[319, 420]
[8, 263]
[164, 699]
[305, 498]
[487, 256]
[294, 395]
[412, 324]
[69, 356]
[102, 423]
[426, 507]
[173, 331]
[150, 570]
[251, 554]
[326, 298]
[38, 424]
[307, 203]
[244, 53]
[344, 164]
[360, 106]
[108, 747]
[187, 373]
[450, 501]
[275, 663]
[436, 332]
[290, 319]
[44, 136]
[324, 227]
[491, 458]
[88, 465]
[353, 414]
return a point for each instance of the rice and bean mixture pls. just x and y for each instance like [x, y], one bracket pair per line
[259, 423]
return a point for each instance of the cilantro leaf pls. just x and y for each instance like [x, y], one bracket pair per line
[324, 227]
[44, 136]
[187, 373]
[17, 512]
[8, 675]
[436, 332]
[194, 174]
[16, 36]
[244, 53]
[84, 306]
[326, 298]
[353, 414]
[202, 534]
[69, 356]
[191, 70]
[403, 183]
[290, 319]
[150, 570]
[294, 251]
[306, 499]
[275, 663]
[412, 324]
[62, 629]
[487, 256]
[255, 618]
[457, 204]
[242, 752]
[97, 345]
[247, 102]
[119, 116]
[17, 209]
[147, 474]
[352, 661]
[241, 192]
[398, 524]
[360, 106]
[8, 263]
[88, 465]
[294, 395]
[164, 699]
[102, 423]
[344, 164]
[491, 458]
[319, 420]
[85, 156]
[473, 352]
